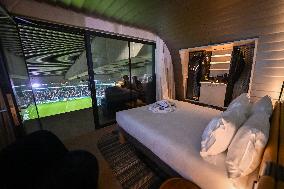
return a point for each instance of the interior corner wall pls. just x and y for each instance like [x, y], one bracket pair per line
[231, 21]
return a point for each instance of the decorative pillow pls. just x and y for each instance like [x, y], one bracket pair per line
[263, 105]
[220, 131]
[246, 149]
[242, 100]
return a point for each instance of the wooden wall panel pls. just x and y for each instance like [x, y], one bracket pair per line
[264, 20]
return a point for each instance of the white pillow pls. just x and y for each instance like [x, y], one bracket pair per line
[242, 100]
[245, 152]
[263, 105]
[220, 131]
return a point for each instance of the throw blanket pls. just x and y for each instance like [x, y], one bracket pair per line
[162, 106]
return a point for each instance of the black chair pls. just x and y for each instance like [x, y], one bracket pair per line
[116, 99]
[40, 161]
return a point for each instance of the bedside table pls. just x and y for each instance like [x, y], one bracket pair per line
[178, 183]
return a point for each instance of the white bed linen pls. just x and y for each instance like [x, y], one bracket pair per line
[175, 138]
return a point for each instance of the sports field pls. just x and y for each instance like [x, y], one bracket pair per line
[53, 108]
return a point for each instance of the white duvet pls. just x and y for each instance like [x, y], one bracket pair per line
[175, 138]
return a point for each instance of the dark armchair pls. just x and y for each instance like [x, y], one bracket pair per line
[116, 99]
[40, 160]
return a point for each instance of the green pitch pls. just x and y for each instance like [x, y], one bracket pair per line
[53, 108]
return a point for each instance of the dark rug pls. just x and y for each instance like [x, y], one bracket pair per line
[127, 164]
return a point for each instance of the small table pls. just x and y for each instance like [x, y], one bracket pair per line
[178, 183]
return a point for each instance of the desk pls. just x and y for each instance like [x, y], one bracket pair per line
[212, 93]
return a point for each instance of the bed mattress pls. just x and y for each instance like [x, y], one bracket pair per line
[175, 138]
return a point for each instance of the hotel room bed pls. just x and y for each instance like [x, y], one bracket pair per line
[175, 138]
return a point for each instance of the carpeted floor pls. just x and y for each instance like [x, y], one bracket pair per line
[129, 169]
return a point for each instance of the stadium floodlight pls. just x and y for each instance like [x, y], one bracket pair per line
[35, 85]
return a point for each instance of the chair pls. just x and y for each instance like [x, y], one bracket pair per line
[40, 161]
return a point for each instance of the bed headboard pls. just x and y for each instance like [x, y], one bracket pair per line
[273, 157]
[280, 172]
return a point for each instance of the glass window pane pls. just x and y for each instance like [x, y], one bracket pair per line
[111, 68]
[56, 62]
[142, 66]
[16, 67]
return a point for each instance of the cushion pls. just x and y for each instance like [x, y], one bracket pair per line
[263, 105]
[220, 131]
[246, 149]
[242, 100]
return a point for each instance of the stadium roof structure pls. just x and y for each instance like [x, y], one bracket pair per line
[53, 52]
[49, 52]
[8, 34]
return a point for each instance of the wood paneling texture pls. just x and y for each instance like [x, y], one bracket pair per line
[262, 19]
[190, 23]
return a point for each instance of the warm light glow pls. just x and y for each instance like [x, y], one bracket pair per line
[221, 55]
[219, 69]
[226, 62]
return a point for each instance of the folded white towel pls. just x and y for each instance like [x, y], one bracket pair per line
[162, 106]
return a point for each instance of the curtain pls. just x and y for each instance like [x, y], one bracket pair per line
[194, 74]
[165, 85]
[236, 68]
[242, 84]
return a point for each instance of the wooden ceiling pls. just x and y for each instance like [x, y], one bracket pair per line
[180, 23]
[158, 16]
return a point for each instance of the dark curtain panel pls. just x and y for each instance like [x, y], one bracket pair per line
[236, 68]
[242, 84]
[198, 70]
[206, 66]
[194, 74]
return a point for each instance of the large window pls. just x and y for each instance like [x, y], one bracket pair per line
[68, 76]
[123, 73]
[15, 65]
[52, 57]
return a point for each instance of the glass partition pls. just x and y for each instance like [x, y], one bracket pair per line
[57, 67]
[142, 72]
[112, 77]
[16, 67]
[52, 80]
[123, 75]
[53, 58]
